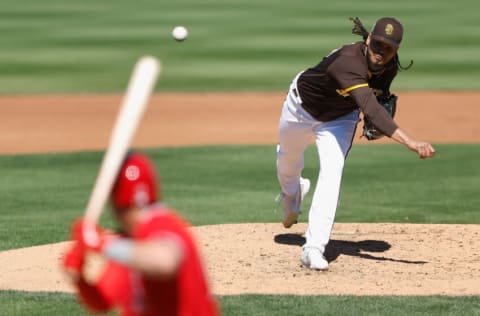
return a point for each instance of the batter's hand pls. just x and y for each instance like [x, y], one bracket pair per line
[73, 261]
[89, 235]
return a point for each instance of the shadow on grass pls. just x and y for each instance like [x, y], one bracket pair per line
[336, 248]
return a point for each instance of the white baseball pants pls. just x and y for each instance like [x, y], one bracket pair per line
[333, 140]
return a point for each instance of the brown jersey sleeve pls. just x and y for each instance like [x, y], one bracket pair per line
[352, 78]
[368, 104]
[349, 73]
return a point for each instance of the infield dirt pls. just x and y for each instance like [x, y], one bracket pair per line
[365, 259]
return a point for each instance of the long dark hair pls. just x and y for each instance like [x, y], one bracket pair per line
[359, 29]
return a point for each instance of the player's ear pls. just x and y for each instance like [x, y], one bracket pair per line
[367, 41]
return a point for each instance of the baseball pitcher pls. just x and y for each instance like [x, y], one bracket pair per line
[325, 101]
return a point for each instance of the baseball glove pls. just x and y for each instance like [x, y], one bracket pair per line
[390, 104]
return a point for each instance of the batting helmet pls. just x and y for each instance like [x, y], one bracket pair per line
[136, 183]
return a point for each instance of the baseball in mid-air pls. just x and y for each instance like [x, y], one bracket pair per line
[180, 33]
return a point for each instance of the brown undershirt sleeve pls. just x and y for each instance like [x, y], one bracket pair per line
[368, 104]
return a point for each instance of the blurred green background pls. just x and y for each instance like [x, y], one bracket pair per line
[64, 46]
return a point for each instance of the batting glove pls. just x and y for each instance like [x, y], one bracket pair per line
[74, 260]
[89, 235]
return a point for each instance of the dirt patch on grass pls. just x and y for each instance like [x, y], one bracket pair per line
[32, 124]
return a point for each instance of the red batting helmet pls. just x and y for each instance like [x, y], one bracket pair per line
[136, 184]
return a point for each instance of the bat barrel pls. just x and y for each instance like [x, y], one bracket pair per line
[140, 87]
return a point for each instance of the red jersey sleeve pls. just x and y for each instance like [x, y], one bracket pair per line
[92, 297]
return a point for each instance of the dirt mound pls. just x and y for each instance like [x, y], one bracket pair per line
[365, 259]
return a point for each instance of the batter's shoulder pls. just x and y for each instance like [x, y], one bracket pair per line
[159, 218]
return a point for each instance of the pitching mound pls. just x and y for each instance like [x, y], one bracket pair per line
[365, 259]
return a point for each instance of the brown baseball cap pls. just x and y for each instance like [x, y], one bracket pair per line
[388, 30]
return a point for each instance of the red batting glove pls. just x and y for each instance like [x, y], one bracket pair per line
[74, 260]
[89, 235]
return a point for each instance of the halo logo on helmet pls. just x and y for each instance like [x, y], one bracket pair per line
[132, 173]
[135, 184]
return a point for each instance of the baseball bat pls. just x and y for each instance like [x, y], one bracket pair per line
[139, 89]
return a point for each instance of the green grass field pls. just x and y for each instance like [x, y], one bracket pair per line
[90, 46]
[236, 184]
[47, 304]
[55, 46]
[42, 194]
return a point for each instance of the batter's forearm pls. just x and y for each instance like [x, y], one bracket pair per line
[156, 258]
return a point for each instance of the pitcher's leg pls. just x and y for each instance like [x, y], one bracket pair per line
[325, 198]
[333, 140]
[295, 133]
[294, 137]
